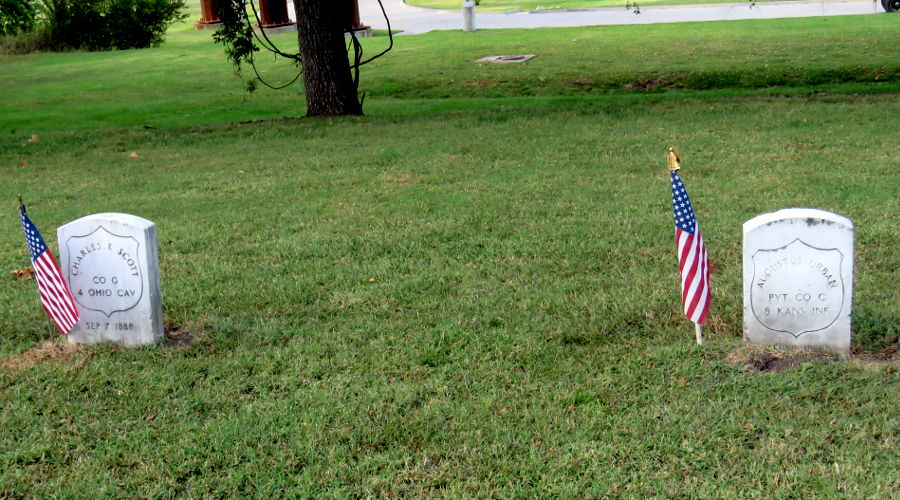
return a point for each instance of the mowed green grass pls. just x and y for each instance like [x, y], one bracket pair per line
[448, 297]
[189, 81]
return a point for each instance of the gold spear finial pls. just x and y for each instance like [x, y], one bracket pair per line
[674, 159]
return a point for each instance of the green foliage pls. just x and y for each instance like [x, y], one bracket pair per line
[107, 24]
[141, 23]
[236, 34]
[16, 16]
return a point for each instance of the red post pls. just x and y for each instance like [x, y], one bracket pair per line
[209, 15]
[353, 20]
[273, 13]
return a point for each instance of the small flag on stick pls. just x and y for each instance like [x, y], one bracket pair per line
[693, 261]
[54, 292]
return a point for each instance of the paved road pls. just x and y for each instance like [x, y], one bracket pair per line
[414, 20]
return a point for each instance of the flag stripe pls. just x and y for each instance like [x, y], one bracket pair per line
[62, 322]
[685, 247]
[701, 299]
[689, 274]
[697, 294]
[699, 304]
[55, 304]
[54, 298]
[57, 285]
[696, 289]
[51, 299]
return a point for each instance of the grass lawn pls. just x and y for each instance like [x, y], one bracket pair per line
[188, 81]
[472, 291]
[505, 5]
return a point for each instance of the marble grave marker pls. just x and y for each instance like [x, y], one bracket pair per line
[111, 263]
[798, 280]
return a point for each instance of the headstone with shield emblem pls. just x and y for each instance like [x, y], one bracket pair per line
[110, 261]
[798, 280]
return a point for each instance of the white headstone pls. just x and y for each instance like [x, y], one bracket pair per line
[798, 280]
[111, 263]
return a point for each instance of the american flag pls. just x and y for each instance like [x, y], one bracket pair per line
[692, 258]
[55, 295]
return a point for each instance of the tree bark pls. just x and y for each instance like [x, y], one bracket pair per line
[330, 90]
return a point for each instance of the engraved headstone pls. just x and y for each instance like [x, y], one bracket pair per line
[798, 280]
[111, 263]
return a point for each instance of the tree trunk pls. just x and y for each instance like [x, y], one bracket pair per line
[330, 90]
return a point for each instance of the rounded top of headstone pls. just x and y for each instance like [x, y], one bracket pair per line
[811, 216]
[112, 217]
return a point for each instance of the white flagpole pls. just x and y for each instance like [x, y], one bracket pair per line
[699, 331]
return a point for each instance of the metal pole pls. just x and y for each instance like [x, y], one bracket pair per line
[468, 13]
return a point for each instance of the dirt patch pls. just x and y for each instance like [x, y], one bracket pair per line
[648, 83]
[874, 360]
[177, 337]
[889, 353]
[271, 120]
[580, 82]
[184, 336]
[47, 352]
[755, 359]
